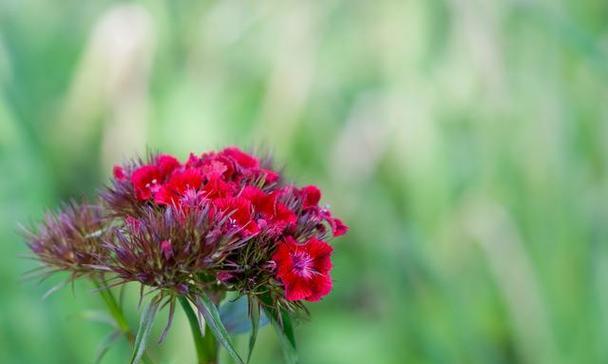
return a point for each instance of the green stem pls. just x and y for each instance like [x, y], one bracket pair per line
[206, 346]
[119, 316]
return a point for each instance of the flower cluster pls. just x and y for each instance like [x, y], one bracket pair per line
[218, 222]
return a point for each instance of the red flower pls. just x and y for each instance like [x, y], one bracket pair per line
[119, 173]
[179, 183]
[239, 210]
[193, 161]
[275, 215]
[148, 179]
[311, 195]
[145, 180]
[218, 188]
[166, 164]
[270, 176]
[214, 164]
[304, 268]
[241, 158]
[338, 227]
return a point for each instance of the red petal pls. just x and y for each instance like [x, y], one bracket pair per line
[251, 227]
[282, 257]
[320, 251]
[193, 161]
[218, 188]
[142, 179]
[166, 164]
[297, 289]
[119, 173]
[317, 248]
[285, 215]
[240, 212]
[338, 227]
[322, 264]
[320, 286]
[311, 196]
[270, 176]
[241, 158]
[165, 196]
[214, 168]
[254, 194]
[189, 178]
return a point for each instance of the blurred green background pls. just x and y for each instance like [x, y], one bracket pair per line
[464, 141]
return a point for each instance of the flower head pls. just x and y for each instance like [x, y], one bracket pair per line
[222, 221]
[304, 268]
[71, 238]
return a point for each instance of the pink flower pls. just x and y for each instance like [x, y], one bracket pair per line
[304, 268]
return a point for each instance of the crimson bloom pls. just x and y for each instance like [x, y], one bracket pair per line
[178, 184]
[243, 159]
[304, 268]
[271, 212]
[218, 214]
[239, 213]
[220, 222]
[145, 181]
[166, 164]
[311, 195]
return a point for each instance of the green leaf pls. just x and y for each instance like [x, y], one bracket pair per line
[284, 328]
[206, 349]
[212, 316]
[236, 316]
[254, 314]
[145, 326]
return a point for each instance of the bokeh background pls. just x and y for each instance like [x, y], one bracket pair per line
[464, 141]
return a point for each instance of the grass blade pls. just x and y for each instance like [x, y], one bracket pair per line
[206, 347]
[145, 326]
[284, 328]
[212, 316]
[169, 321]
[254, 315]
